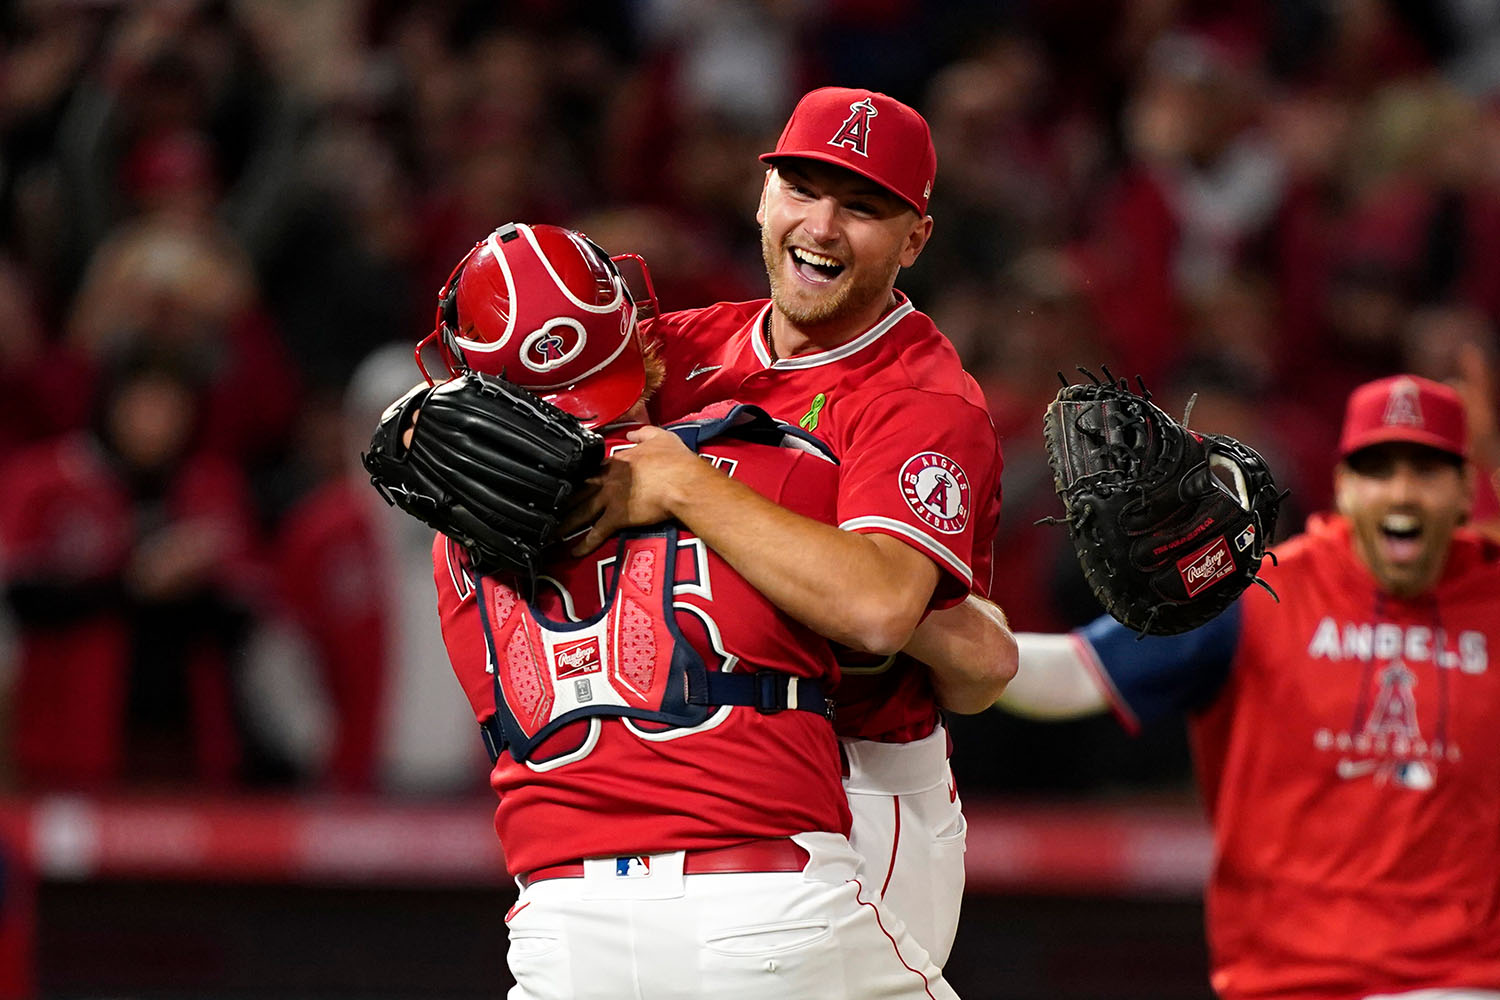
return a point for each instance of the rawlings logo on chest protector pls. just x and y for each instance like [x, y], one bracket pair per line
[627, 660]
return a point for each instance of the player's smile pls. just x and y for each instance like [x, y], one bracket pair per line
[813, 267]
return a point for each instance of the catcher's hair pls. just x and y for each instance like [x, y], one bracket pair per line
[656, 368]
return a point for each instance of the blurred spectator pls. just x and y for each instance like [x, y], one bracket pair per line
[355, 577]
[128, 568]
[1202, 184]
[160, 287]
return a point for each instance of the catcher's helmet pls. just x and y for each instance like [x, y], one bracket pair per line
[545, 308]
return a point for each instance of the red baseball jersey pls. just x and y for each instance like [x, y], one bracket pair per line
[1348, 758]
[919, 457]
[620, 790]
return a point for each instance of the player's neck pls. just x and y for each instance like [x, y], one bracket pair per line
[785, 338]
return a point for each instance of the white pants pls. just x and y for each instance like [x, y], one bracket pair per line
[818, 934]
[909, 832]
[1440, 994]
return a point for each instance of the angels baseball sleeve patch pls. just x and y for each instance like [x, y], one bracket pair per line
[937, 490]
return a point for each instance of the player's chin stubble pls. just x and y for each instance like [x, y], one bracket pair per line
[848, 297]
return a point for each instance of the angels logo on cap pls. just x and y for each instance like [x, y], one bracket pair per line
[855, 132]
[937, 491]
[1404, 405]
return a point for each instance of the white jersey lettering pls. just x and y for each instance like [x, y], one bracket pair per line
[1364, 642]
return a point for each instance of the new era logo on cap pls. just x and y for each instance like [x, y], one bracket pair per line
[870, 133]
[1405, 408]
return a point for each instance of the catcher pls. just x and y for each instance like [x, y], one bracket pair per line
[659, 729]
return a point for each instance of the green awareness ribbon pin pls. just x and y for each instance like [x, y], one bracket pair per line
[809, 421]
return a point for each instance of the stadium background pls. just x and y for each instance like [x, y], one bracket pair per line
[239, 204]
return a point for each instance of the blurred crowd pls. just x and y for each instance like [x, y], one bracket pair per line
[223, 224]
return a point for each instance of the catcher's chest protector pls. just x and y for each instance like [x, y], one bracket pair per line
[630, 659]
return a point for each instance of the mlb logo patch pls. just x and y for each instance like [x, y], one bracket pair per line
[1245, 538]
[638, 866]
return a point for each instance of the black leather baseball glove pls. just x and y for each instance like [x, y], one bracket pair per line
[1169, 525]
[489, 465]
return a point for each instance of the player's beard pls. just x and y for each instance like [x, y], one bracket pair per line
[848, 297]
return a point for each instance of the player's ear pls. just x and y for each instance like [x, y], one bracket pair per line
[1340, 481]
[760, 209]
[916, 239]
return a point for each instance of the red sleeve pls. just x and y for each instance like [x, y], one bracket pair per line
[463, 629]
[924, 467]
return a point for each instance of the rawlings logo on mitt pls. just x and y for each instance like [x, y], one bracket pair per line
[1170, 526]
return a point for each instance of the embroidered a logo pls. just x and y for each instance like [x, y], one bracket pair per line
[855, 132]
[1403, 407]
[937, 491]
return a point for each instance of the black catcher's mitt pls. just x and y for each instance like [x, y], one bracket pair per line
[1170, 526]
[490, 465]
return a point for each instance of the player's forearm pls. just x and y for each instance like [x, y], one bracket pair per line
[845, 586]
[1053, 680]
[970, 653]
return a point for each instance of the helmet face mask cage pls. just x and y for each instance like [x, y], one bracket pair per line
[548, 309]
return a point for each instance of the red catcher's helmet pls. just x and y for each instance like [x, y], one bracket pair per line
[547, 309]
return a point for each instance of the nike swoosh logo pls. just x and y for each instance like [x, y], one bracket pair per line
[701, 370]
[517, 908]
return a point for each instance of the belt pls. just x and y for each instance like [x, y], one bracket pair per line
[778, 855]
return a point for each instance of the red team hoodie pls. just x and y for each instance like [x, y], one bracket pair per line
[1348, 755]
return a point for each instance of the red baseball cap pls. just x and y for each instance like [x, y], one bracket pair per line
[867, 132]
[1405, 408]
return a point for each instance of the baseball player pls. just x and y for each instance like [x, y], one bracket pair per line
[838, 351]
[1344, 736]
[663, 849]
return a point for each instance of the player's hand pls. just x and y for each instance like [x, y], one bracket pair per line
[638, 487]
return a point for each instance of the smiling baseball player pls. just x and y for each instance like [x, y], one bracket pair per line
[837, 350]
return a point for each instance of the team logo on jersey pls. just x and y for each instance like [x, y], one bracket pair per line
[574, 659]
[937, 491]
[636, 867]
[1388, 746]
[1403, 407]
[559, 341]
[855, 132]
[1205, 567]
